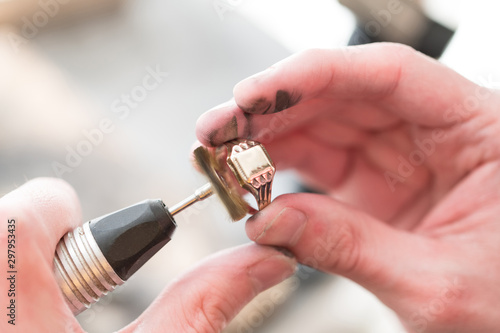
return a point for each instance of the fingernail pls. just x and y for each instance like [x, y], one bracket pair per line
[272, 271]
[285, 229]
[258, 106]
[285, 100]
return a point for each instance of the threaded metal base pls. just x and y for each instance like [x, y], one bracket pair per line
[83, 273]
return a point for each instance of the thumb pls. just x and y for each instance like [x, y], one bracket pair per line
[332, 237]
[44, 210]
[33, 219]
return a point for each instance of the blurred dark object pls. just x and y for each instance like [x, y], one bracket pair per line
[398, 21]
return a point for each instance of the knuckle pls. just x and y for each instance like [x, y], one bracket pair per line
[401, 56]
[210, 315]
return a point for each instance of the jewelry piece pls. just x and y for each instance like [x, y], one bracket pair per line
[253, 168]
[212, 165]
[247, 165]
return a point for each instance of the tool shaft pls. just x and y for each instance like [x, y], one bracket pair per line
[200, 194]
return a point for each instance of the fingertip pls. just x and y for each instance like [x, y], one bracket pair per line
[47, 194]
[251, 227]
[284, 84]
[46, 208]
[220, 124]
[205, 127]
[258, 223]
[283, 227]
[250, 96]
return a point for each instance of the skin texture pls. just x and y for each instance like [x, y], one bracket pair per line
[406, 153]
[45, 209]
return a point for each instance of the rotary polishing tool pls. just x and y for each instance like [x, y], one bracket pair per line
[105, 252]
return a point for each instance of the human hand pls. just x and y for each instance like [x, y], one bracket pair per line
[407, 152]
[203, 300]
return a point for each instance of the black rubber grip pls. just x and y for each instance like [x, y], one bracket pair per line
[128, 238]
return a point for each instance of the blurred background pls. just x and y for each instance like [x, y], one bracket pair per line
[74, 104]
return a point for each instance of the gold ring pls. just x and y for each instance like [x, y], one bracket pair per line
[253, 168]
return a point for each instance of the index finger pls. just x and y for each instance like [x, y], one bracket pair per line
[380, 82]
[208, 297]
